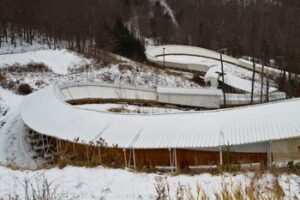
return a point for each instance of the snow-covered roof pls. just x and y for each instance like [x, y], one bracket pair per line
[45, 112]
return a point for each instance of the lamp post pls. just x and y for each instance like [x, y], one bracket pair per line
[164, 61]
[222, 74]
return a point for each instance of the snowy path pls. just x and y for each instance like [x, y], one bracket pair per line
[13, 149]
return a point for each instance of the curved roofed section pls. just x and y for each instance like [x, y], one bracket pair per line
[46, 112]
[159, 51]
[195, 56]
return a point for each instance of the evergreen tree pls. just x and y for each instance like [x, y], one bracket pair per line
[127, 45]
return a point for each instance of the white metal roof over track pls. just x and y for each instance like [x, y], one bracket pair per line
[46, 112]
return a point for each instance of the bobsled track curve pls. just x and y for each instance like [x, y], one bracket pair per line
[250, 130]
[194, 55]
[238, 72]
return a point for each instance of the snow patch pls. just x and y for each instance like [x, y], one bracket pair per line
[59, 61]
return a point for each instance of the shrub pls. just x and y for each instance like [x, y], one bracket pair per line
[30, 67]
[24, 89]
[2, 77]
[62, 162]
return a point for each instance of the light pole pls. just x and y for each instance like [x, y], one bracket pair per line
[222, 74]
[164, 61]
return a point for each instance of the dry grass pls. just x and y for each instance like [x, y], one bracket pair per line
[251, 192]
[32, 67]
[38, 187]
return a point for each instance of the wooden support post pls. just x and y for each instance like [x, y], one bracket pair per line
[134, 159]
[59, 148]
[171, 163]
[221, 155]
[43, 142]
[270, 155]
[74, 152]
[176, 162]
[125, 157]
[99, 154]
[87, 154]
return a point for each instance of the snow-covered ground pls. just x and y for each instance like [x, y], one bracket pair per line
[13, 148]
[104, 183]
[59, 61]
[132, 74]
[22, 46]
[129, 108]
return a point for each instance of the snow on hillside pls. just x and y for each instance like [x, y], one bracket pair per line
[106, 184]
[59, 61]
[21, 46]
[13, 149]
[124, 72]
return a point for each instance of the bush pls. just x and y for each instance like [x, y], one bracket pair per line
[62, 162]
[30, 67]
[24, 89]
[2, 77]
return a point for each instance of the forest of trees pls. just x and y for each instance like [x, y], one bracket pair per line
[265, 29]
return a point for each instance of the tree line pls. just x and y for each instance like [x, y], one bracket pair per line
[266, 29]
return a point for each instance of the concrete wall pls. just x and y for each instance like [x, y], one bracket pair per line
[207, 101]
[99, 91]
[104, 91]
